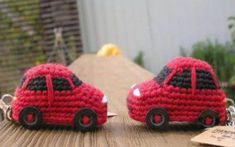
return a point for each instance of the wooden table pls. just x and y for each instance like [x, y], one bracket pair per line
[114, 76]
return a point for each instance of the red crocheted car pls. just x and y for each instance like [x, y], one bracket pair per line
[186, 90]
[52, 94]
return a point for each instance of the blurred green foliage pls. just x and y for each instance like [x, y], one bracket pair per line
[139, 59]
[20, 32]
[221, 56]
[20, 39]
[27, 37]
[222, 59]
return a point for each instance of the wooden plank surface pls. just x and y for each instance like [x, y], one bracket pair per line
[114, 76]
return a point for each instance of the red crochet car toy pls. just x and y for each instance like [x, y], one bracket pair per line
[186, 90]
[52, 94]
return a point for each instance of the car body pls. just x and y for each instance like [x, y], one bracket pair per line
[52, 94]
[186, 90]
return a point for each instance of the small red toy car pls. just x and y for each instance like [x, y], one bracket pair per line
[186, 90]
[52, 94]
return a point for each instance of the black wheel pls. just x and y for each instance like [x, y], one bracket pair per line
[208, 118]
[157, 118]
[30, 117]
[85, 120]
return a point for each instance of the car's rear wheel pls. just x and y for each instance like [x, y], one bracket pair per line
[157, 118]
[208, 118]
[85, 120]
[30, 117]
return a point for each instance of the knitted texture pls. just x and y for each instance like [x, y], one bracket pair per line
[184, 88]
[58, 94]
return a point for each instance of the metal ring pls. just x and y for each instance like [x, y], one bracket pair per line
[5, 107]
[5, 96]
[8, 113]
[230, 101]
[229, 115]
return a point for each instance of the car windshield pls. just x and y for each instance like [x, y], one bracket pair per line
[162, 75]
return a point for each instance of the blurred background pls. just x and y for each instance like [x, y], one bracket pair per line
[148, 32]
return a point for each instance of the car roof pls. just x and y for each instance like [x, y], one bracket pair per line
[48, 68]
[188, 62]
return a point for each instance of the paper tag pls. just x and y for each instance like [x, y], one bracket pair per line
[219, 136]
[111, 114]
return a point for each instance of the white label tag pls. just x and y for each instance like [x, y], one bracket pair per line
[111, 114]
[219, 136]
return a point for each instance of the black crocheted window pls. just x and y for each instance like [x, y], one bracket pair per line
[22, 80]
[162, 75]
[76, 80]
[38, 83]
[204, 80]
[182, 79]
[60, 84]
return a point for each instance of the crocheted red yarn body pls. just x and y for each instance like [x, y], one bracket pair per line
[183, 89]
[58, 94]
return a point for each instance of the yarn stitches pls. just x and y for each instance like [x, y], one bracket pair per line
[185, 90]
[55, 95]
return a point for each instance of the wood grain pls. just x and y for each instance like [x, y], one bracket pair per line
[114, 76]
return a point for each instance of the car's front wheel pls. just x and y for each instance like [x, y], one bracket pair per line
[30, 117]
[85, 120]
[208, 118]
[157, 118]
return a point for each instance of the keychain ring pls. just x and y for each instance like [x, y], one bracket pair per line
[8, 113]
[6, 96]
[5, 107]
[230, 101]
[230, 112]
[229, 115]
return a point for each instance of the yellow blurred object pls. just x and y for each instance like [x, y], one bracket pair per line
[109, 50]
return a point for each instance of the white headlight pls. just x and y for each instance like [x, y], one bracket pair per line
[136, 92]
[104, 99]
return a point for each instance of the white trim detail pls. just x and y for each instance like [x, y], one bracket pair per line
[104, 99]
[136, 92]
